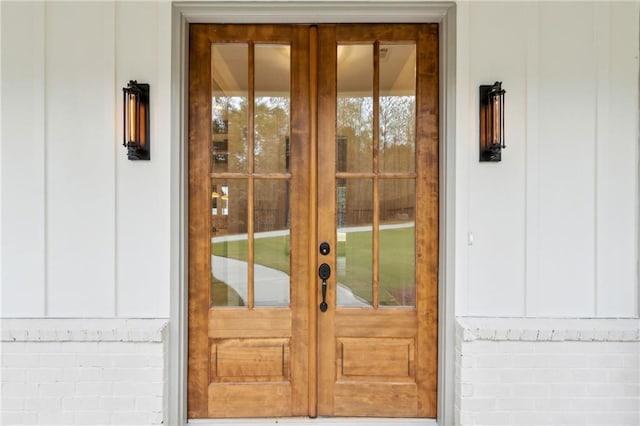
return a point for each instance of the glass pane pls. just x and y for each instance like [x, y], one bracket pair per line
[229, 98]
[229, 242]
[397, 107]
[355, 242]
[271, 243]
[272, 108]
[397, 282]
[355, 108]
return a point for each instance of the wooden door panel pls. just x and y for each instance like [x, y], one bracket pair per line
[376, 360]
[247, 359]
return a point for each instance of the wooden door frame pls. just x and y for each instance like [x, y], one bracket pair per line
[306, 13]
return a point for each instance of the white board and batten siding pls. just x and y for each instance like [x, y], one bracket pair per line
[85, 232]
[554, 225]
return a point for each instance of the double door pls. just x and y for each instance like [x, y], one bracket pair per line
[313, 220]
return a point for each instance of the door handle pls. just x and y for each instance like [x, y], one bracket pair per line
[324, 272]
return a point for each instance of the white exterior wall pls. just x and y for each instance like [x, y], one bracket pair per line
[78, 218]
[554, 224]
[85, 233]
[547, 372]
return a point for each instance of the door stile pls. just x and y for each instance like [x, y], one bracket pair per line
[313, 220]
[427, 241]
[199, 224]
[327, 87]
[300, 234]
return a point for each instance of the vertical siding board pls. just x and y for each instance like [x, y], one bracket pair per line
[142, 186]
[566, 163]
[80, 109]
[617, 175]
[532, 166]
[22, 160]
[496, 196]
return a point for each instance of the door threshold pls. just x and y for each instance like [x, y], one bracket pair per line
[333, 421]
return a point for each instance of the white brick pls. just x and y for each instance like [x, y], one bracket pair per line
[552, 404]
[10, 403]
[493, 418]
[116, 403]
[8, 418]
[531, 418]
[493, 361]
[478, 404]
[612, 418]
[19, 389]
[589, 404]
[80, 403]
[531, 390]
[568, 418]
[20, 360]
[623, 376]
[550, 375]
[43, 403]
[516, 375]
[55, 418]
[492, 390]
[92, 417]
[131, 361]
[611, 390]
[56, 389]
[94, 388]
[130, 418]
[13, 374]
[514, 404]
[626, 404]
[58, 360]
[146, 403]
[568, 389]
[45, 375]
[95, 360]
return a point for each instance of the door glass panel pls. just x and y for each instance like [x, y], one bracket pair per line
[229, 242]
[229, 98]
[271, 243]
[272, 108]
[397, 107]
[397, 242]
[354, 259]
[354, 131]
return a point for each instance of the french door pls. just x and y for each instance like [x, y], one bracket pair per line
[313, 220]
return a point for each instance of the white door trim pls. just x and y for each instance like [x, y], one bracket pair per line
[306, 12]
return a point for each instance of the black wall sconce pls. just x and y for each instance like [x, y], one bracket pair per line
[491, 122]
[136, 121]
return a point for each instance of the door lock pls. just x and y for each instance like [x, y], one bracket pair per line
[324, 272]
[325, 248]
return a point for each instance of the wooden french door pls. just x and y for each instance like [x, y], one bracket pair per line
[313, 220]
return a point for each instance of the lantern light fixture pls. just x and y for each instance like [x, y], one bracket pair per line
[491, 122]
[136, 121]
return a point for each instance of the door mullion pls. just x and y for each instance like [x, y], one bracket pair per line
[250, 183]
[313, 218]
[376, 182]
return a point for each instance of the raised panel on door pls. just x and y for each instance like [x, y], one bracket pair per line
[378, 209]
[248, 221]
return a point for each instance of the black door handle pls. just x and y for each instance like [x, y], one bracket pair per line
[324, 272]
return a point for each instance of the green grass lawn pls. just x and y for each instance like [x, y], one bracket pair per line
[397, 260]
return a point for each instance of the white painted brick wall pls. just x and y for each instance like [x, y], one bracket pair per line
[83, 371]
[554, 372]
